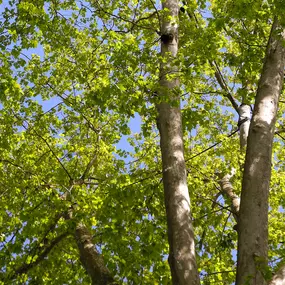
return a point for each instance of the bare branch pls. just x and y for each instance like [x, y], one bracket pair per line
[224, 86]
[45, 141]
[156, 11]
[210, 147]
[278, 134]
[134, 23]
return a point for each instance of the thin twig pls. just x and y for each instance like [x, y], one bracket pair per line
[89, 165]
[54, 154]
[210, 147]
[218, 73]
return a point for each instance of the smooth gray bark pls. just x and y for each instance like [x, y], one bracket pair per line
[180, 230]
[253, 216]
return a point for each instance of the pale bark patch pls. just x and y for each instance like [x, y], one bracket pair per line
[244, 118]
[279, 277]
[268, 107]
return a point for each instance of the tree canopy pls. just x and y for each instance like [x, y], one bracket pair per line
[75, 77]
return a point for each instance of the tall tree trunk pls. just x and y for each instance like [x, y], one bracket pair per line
[253, 216]
[180, 230]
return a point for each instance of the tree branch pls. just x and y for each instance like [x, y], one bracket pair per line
[54, 154]
[88, 167]
[90, 258]
[279, 277]
[224, 86]
[227, 190]
[27, 266]
[218, 73]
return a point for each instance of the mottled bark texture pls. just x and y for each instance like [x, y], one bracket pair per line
[244, 121]
[225, 183]
[228, 192]
[180, 230]
[91, 259]
[253, 216]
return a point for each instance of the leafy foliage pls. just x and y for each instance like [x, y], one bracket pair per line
[74, 74]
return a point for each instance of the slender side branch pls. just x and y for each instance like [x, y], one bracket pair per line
[133, 23]
[88, 167]
[49, 147]
[224, 86]
[54, 154]
[218, 73]
[26, 267]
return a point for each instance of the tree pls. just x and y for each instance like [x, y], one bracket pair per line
[253, 218]
[77, 77]
[182, 259]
